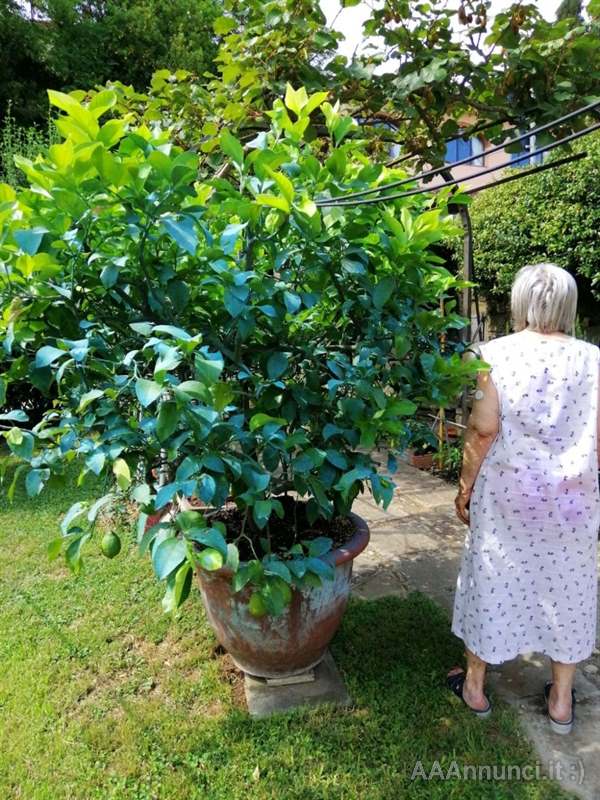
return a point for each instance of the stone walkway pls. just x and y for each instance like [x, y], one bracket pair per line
[417, 544]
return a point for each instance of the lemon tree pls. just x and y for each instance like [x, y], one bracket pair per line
[228, 334]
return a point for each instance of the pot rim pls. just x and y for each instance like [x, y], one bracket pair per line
[347, 552]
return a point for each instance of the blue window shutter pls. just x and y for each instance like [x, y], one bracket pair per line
[464, 149]
[451, 152]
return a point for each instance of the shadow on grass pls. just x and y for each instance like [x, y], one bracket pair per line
[394, 654]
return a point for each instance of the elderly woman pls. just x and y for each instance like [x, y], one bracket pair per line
[529, 493]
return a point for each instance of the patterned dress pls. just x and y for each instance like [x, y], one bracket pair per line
[528, 577]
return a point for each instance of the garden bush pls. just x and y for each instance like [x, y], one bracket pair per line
[246, 341]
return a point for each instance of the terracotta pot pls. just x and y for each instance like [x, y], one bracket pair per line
[453, 433]
[294, 641]
[421, 460]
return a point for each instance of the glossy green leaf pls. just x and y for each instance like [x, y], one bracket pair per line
[29, 240]
[223, 25]
[168, 555]
[88, 398]
[209, 369]
[260, 420]
[232, 147]
[15, 416]
[168, 417]
[73, 555]
[274, 201]
[277, 364]
[211, 537]
[275, 567]
[48, 355]
[183, 231]
[383, 291]
[35, 480]
[261, 511]
[147, 392]
[122, 473]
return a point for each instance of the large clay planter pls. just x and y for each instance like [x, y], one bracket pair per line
[294, 641]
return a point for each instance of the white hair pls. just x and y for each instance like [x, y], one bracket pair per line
[544, 298]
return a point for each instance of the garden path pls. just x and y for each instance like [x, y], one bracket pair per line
[416, 545]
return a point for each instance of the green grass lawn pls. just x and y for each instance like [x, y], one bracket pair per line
[103, 696]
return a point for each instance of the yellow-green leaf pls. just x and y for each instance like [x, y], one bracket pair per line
[295, 100]
[284, 183]
[122, 473]
[274, 201]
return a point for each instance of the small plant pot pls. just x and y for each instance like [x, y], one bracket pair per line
[295, 640]
[421, 460]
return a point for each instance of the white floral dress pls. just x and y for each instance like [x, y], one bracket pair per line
[528, 577]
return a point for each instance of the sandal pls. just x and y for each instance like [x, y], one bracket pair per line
[556, 725]
[455, 683]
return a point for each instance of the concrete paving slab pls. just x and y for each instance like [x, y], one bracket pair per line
[327, 687]
[396, 543]
[381, 584]
[574, 760]
[434, 574]
[524, 677]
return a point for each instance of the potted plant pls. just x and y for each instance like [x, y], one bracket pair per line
[423, 446]
[223, 352]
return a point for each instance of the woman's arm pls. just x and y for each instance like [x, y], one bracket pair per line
[482, 428]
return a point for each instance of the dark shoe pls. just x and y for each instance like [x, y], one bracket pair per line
[556, 725]
[456, 683]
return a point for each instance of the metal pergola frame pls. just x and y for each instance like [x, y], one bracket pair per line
[365, 197]
[350, 197]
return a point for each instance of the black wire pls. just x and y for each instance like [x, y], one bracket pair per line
[540, 168]
[430, 173]
[343, 202]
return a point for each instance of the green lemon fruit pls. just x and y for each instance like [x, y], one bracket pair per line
[256, 605]
[110, 545]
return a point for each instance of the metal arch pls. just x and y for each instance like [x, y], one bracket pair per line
[343, 202]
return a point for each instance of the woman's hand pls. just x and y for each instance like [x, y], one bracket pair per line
[461, 504]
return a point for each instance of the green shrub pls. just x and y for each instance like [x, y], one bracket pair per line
[256, 343]
[448, 462]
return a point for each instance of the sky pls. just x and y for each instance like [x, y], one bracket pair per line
[350, 20]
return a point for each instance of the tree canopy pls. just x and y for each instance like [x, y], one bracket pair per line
[447, 65]
[250, 341]
[67, 44]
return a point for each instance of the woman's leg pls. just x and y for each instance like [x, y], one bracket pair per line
[559, 702]
[474, 681]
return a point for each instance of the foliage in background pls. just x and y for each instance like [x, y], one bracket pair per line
[553, 216]
[448, 462]
[263, 344]
[446, 63]
[67, 44]
[16, 140]
[570, 9]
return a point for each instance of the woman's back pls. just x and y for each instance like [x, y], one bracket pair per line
[543, 463]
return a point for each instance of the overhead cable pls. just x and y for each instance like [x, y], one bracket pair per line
[343, 201]
[432, 172]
